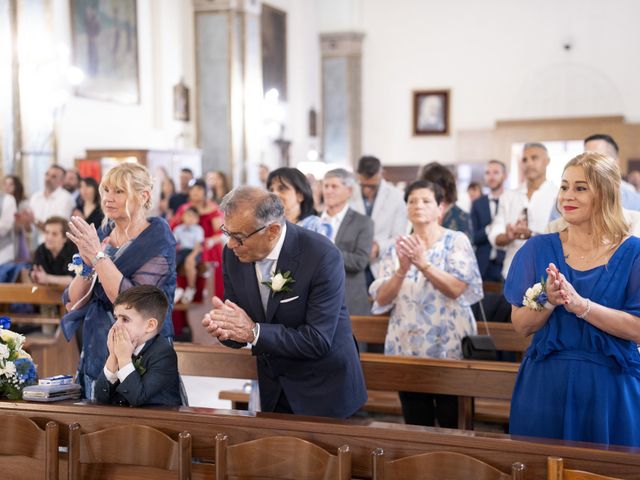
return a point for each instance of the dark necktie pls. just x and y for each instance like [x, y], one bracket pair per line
[494, 210]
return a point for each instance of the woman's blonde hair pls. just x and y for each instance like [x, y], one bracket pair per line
[603, 178]
[134, 179]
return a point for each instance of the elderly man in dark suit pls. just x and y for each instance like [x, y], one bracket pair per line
[352, 234]
[482, 212]
[284, 289]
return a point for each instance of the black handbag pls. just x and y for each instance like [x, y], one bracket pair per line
[479, 347]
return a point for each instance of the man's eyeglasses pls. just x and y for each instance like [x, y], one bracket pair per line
[240, 238]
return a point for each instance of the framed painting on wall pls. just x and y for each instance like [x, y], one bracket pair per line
[431, 112]
[105, 47]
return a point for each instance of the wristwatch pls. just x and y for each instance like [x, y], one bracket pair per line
[99, 256]
[255, 330]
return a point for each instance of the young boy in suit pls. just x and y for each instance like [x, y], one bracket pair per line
[142, 367]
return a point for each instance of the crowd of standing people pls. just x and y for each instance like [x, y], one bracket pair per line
[289, 268]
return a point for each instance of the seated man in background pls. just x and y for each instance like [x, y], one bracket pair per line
[51, 259]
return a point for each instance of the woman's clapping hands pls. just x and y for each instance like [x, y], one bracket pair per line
[413, 249]
[86, 239]
[561, 292]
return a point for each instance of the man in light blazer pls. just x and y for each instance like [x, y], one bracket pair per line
[352, 234]
[284, 288]
[384, 204]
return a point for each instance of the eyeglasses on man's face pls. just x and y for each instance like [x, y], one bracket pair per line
[238, 237]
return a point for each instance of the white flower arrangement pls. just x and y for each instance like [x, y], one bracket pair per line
[16, 367]
[536, 296]
[280, 282]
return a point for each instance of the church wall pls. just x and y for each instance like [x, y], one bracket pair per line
[500, 59]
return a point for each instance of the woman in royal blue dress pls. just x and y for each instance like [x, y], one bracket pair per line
[580, 378]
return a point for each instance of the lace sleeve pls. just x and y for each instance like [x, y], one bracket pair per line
[154, 272]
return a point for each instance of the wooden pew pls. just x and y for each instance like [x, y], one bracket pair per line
[373, 329]
[378, 401]
[362, 436]
[33, 294]
[465, 378]
[52, 354]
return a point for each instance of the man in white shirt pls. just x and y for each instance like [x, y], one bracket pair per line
[384, 204]
[53, 201]
[524, 211]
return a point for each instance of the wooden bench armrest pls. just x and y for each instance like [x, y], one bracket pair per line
[33, 320]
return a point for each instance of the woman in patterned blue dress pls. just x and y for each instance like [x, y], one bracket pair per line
[580, 378]
[428, 282]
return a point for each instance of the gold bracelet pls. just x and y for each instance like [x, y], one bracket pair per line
[584, 314]
[396, 274]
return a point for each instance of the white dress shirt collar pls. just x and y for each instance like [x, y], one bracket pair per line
[335, 221]
[274, 254]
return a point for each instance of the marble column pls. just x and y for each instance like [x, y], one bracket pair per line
[229, 85]
[341, 97]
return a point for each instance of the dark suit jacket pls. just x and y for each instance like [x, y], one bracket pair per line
[158, 385]
[480, 218]
[306, 348]
[354, 239]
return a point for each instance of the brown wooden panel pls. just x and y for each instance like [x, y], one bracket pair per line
[505, 337]
[215, 361]
[370, 329]
[450, 377]
[27, 293]
[373, 329]
[362, 436]
[382, 372]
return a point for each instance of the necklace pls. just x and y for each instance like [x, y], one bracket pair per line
[592, 258]
[120, 238]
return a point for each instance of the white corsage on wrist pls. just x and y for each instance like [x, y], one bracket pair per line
[535, 297]
[78, 267]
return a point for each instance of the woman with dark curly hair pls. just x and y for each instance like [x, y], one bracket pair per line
[453, 218]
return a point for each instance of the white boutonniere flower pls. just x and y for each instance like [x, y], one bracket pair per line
[280, 282]
[536, 296]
